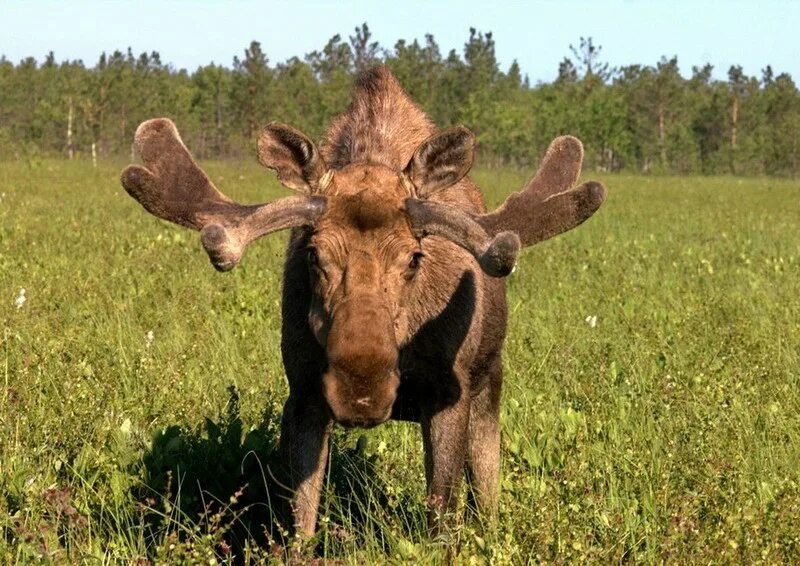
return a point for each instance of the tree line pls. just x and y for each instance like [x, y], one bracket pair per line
[643, 118]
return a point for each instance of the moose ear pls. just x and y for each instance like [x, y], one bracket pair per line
[441, 160]
[293, 156]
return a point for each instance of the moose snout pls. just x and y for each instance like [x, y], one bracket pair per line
[360, 402]
[361, 381]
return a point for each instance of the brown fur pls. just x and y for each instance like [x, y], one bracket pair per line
[391, 304]
[449, 320]
[382, 125]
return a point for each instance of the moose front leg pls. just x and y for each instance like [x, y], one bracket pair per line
[444, 435]
[305, 432]
[483, 457]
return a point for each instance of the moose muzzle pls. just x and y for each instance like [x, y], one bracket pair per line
[361, 381]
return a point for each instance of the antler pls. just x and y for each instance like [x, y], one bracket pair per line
[496, 255]
[549, 205]
[546, 207]
[171, 186]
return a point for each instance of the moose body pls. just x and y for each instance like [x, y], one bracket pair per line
[393, 293]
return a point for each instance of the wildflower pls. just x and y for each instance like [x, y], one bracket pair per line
[148, 338]
[224, 548]
[20, 300]
[591, 320]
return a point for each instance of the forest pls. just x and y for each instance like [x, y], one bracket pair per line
[644, 118]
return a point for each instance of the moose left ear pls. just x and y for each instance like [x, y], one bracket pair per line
[441, 161]
[293, 156]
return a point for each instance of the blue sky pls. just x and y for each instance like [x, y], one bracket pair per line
[537, 34]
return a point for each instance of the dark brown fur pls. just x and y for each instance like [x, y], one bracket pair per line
[449, 321]
[392, 304]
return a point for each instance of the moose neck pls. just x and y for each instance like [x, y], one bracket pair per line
[381, 126]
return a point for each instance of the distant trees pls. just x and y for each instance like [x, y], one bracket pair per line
[646, 118]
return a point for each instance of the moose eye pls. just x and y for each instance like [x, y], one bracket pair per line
[312, 256]
[416, 257]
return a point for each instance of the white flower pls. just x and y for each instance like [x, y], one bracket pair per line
[591, 320]
[148, 338]
[20, 300]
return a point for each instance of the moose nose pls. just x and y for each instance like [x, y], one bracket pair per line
[361, 381]
[359, 402]
[361, 341]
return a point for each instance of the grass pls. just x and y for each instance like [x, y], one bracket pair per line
[668, 431]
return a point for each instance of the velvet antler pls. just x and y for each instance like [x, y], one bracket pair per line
[549, 205]
[171, 186]
[546, 207]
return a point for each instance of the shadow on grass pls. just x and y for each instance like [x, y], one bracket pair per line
[215, 482]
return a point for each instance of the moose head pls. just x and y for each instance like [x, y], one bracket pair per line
[366, 230]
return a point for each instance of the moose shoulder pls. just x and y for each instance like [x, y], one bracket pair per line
[393, 298]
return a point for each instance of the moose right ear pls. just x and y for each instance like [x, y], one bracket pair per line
[441, 160]
[293, 156]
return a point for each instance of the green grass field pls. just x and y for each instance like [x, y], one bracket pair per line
[133, 373]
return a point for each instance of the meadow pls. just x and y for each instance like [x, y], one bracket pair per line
[651, 407]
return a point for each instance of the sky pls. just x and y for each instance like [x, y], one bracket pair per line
[188, 34]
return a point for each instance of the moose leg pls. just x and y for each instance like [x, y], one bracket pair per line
[444, 435]
[305, 430]
[483, 454]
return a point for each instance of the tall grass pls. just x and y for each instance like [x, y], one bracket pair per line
[141, 390]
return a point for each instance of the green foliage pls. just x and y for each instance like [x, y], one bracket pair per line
[667, 431]
[639, 118]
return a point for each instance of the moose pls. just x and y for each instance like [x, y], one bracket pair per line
[394, 297]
